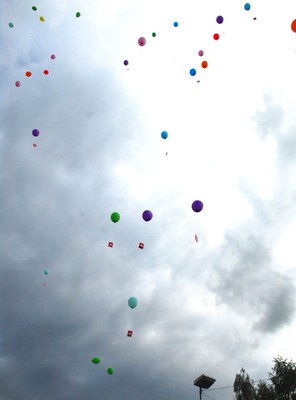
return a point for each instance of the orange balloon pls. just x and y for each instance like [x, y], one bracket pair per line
[293, 26]
[204, 64]
[28, 73]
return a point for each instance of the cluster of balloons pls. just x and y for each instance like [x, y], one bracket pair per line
[29, 73]
[97, 360]
[115, 216]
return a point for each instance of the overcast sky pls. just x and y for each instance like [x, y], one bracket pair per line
[210, 306]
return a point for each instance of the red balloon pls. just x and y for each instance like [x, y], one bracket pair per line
[293, 26]
[216, 36]
[45, 72]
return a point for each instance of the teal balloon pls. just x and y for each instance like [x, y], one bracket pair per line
[46, 272]
[164, 134]
[10, 25]
[132, 302]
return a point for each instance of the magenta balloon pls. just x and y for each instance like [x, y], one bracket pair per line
[17, 83]
[201, 53]
[53, 57]
[197, 206]
[142, 41]
[147, 215]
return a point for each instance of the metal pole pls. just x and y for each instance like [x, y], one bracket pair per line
[200, 389]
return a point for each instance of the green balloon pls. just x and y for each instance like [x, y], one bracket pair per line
[115, 217]
[96, 360]
[34, 8]
[110, 371]
[78, 14]
[153, 34]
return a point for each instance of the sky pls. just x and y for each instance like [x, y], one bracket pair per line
[211, 306]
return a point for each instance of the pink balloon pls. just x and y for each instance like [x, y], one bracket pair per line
[53, 57]
[17, 83]
[201, 53]
[142, 41]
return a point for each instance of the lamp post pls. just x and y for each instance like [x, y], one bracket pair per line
[203, 382]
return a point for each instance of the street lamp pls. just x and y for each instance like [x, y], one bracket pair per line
[203, 382]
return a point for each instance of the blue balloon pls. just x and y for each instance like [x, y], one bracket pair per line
[164, 134]
[247, 6]
[176, 24]
[192, 72]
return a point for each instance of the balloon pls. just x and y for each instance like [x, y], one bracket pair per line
[10, 25]
[216, 36]
[35, 132]
[201, 53]
[34, 145]
[42, 19]
[164, 134]
[247, 6]
[96, 360]
[125, 62]
[129, 333]
[204, 64]
[53, 57]
[78, 14]
[44, 284]
[192, 72]
[147, 215]
[293, 26]
[110, 371]
[197, 206]
[176, 24]
[142, 41]
[153, 34]
[219, 19]
[46, 272]
[28, 73]
[46, 72]
[132, 302]
[17, 83]
[115, 217]
[34, 8]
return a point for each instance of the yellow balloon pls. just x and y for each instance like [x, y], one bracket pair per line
[42, 19]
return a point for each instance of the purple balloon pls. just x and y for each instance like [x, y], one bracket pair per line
[201, 53]
[35, 132]
[219, 19]
[125, 62]
[197, 206]
[147, 215]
